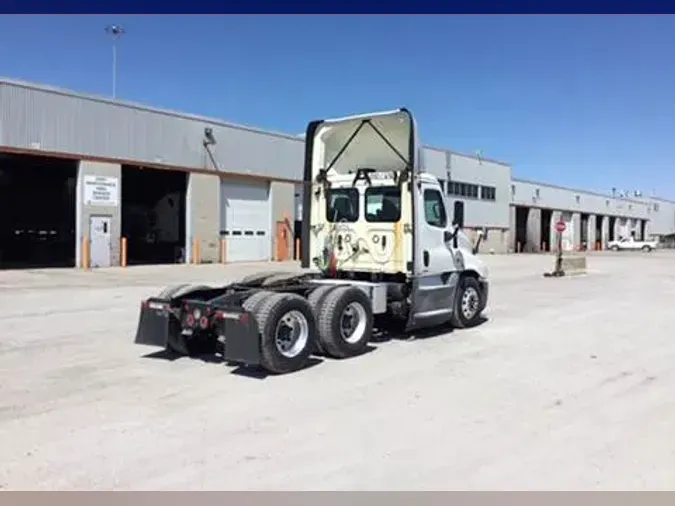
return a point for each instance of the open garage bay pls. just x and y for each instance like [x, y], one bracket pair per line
[568, 385]
[37, 211]
[153, 214]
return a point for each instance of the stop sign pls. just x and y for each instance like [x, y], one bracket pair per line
[560, 227]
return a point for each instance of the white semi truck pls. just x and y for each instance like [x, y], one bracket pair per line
[380, 250]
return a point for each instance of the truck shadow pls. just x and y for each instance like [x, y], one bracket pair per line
[384, 335]
[254, 372]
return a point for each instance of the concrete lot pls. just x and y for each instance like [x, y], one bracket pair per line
[569, 385]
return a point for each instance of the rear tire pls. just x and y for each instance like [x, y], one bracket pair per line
[287, 332]
[315, 299]
[614, 248]
[467, 310]
[646, 249]
[345, 321]
[251, 304]
[259, 277]
[168, 292]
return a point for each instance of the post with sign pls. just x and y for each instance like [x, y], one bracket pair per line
[560, 227]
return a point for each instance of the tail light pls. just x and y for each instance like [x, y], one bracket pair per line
[190, 320]
[203, 322]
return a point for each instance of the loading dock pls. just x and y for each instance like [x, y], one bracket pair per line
[245, 220]
[546, 229]
[521, 228]
[584, 232]
[612, 228]
[153, 215]
[643, 226]
[599, 236]
[37, 222]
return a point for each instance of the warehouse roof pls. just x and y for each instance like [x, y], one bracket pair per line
[141, 107]
[169, 112]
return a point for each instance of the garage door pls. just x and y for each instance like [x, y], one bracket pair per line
[245, 221]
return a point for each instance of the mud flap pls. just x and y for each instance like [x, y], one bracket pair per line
[239, 331]
[153, 324]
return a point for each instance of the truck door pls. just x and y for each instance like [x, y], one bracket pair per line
[436, 279]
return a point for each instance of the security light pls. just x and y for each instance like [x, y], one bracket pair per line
[209, 139]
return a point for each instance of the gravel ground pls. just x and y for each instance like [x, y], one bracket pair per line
[566, 386]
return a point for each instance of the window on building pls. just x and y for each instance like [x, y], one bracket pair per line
[513, 190]
[578, 199]
[488, 192]
[434, 209]
[383, 204]
[656, 208]
[342, 205]
[460, 189]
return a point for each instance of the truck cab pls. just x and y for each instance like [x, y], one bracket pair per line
[372, 213]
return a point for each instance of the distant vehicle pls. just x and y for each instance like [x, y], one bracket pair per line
[630, 244]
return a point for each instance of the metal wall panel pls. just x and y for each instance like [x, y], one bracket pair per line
[57, 121]
[661, 216]
[482, 172]
[534, 194]
[435, 162]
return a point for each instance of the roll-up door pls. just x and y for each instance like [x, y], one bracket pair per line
[245, 220]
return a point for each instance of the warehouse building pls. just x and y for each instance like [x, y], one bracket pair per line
[87, 181]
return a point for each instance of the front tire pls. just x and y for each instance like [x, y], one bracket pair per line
[468, 306]
[646, 249]
[615, 248]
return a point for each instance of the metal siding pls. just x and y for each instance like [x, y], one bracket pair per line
[661, 216]
[565, 199]
[85, 126]
[435, 163]
[483, 213]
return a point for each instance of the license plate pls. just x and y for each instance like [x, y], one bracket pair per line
[186, 332]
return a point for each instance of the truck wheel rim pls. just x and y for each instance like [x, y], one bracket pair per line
[353, 322]
[292, 334]
[470, 301]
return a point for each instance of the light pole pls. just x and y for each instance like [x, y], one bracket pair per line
[115, 31]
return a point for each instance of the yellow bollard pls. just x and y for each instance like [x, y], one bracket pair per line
[123, 252]
[195, 251]
[85, 252]
[223, 251]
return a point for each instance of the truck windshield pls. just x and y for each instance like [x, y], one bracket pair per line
[342, 205]
[383, 204]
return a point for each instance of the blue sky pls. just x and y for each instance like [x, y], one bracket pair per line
[587, 102]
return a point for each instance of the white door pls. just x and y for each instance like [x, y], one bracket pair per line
[435, 286]
[246, 221]
[100, 250]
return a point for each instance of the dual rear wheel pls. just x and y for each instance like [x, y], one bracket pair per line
[334, 320]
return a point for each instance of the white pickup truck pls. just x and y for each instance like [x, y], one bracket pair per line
[630, 244]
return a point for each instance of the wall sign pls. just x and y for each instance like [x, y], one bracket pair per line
[101, 191]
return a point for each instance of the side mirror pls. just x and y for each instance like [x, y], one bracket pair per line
[458, 214]
[451, 235]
